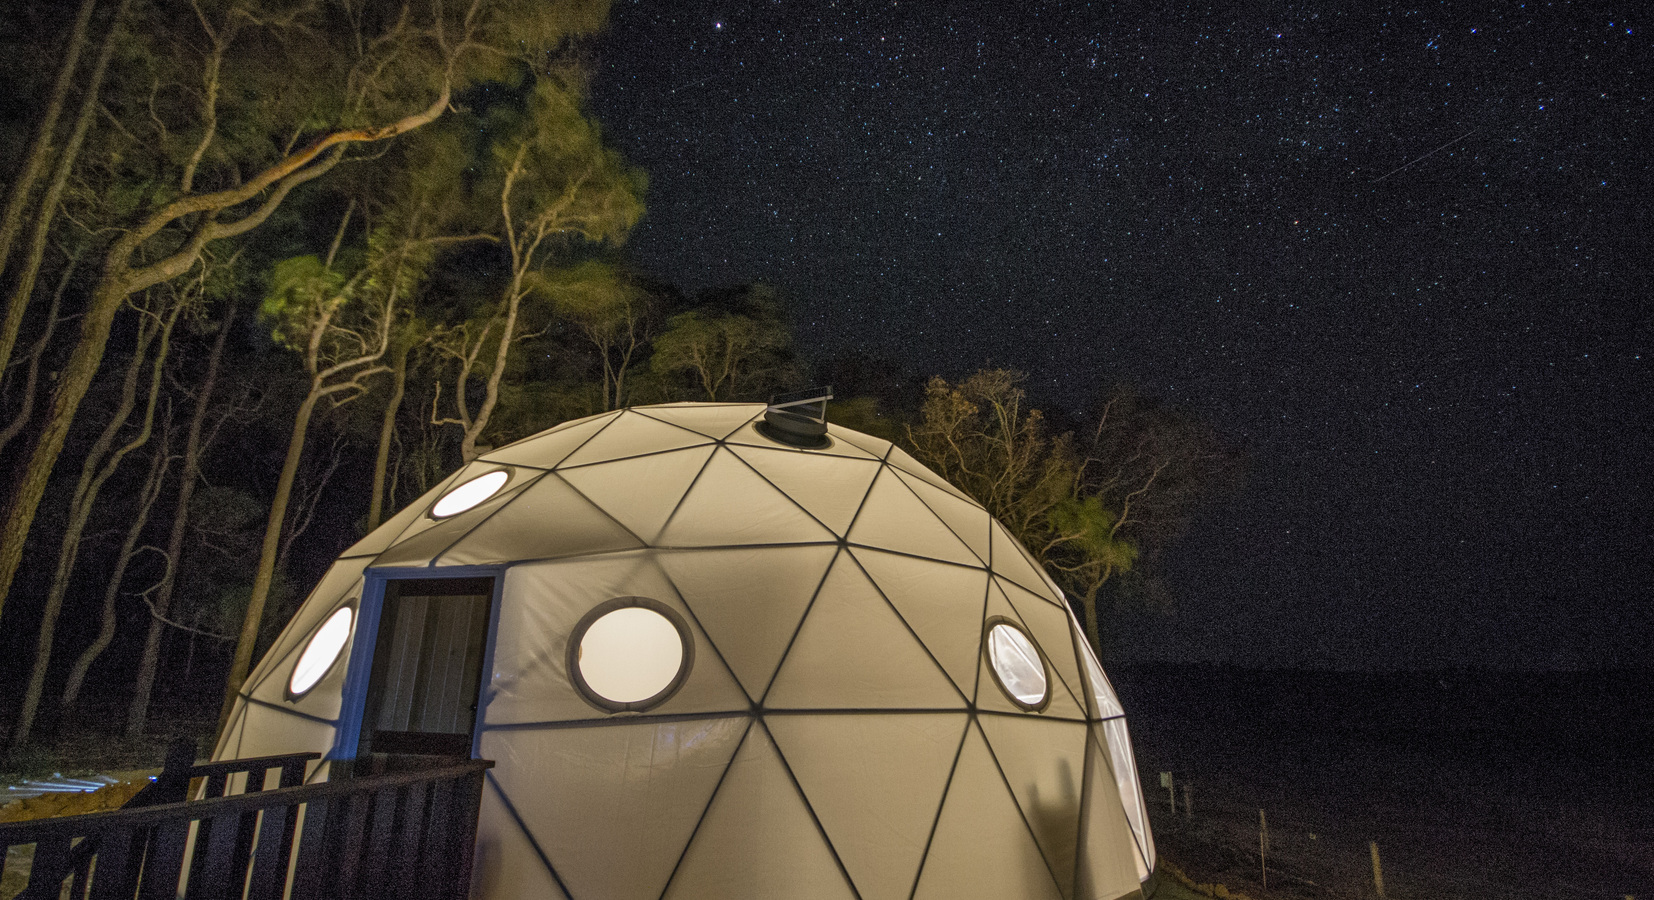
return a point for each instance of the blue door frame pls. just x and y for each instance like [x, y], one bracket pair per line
[359, 673]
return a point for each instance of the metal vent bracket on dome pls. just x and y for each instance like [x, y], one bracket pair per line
[798, 419]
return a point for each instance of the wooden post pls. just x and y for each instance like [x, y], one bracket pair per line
[1171, 792]
[1378, 871]
[1188, 800]
[1263, 848]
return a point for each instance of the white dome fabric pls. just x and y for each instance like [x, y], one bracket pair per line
[838, 730]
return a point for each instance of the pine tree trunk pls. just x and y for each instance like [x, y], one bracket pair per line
[387, 434]
[129, 548]
[247, 641]
[138, 712]
[22, 188]
[46, 213]
[99, 465]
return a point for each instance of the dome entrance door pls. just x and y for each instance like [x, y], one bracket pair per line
[427, 667]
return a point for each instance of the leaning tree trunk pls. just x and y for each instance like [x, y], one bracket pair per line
[22, 188]
[387, 432]
[187, 477]
[31, 379]
[47, 211]
[247, 641]
[123, 275]
[100, 464]
[112, 591]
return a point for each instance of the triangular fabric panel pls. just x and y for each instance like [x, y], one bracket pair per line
[982, 846]
[506, 864]
[388, 531]
[1127, 784]
[942, 604]
[550, 519]
[758, 840]
[894, 519]
[730, 505]
[875, 782]
[853, 652]
[1109, 864]
[1054, 630]
[1044, 761]
[640, 493]
[989, 695]
[902, 460]
[1107, 703]
[540, 606]
[749, 436]
[1012, 562]
[831, 489]
[615, 806]
[426, 541]
[749, 601]
[341, 583]
[633, 435]
[715, 422]
[548, 449]
[963, 518]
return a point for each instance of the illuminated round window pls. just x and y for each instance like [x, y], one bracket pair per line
[469, 494]
[631, 653]
[321, 653]
[1017, 665]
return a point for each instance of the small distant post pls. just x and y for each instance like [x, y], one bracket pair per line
[1189, 800]
[1378, 871]
[1171, 792]
[1263, 848]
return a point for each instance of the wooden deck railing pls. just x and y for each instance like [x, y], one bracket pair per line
[408, 834]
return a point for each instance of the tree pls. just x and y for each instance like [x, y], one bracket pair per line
[341, 324]
[1088, 509]
[236, 133]
[735, 344]
[610, 311]
[558, 183]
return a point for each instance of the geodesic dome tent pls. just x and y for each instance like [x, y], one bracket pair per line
[711, 663]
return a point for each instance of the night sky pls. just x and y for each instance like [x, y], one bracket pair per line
[1398, 254]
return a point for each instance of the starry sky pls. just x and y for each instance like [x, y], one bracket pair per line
[1398, 253]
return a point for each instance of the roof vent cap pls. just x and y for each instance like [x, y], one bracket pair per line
[798, 419]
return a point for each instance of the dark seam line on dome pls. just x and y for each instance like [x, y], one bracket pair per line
[870, 711]
[1006, 780]
[1076, 633]
[440, 490]
[943, 522]
[1033, 715]
[787, 651]
[642, 547]
[589, 438]
[512, 498]
[709, 437]
[945, 486]
[856, 444]
[946, 562]
[942, 803]
[507, 497]
[754, 470]
[254, 701]
[615, 720]
[1108, 757]
[1087, 775]
[704, 442]
[981, 637]
[1067, 629]
[685, 495]
[522, 826]
[808, 808]
[713, 798]
[939, 517]
[856, 517]
[1027, 558]
[903, 619]
[619, 524]
[705, 635]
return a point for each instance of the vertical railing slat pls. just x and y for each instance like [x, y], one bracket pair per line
[115, 876]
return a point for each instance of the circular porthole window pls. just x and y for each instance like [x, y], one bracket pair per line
[321, 653]
[470, 494]
[1018, 667]
[630, 653]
